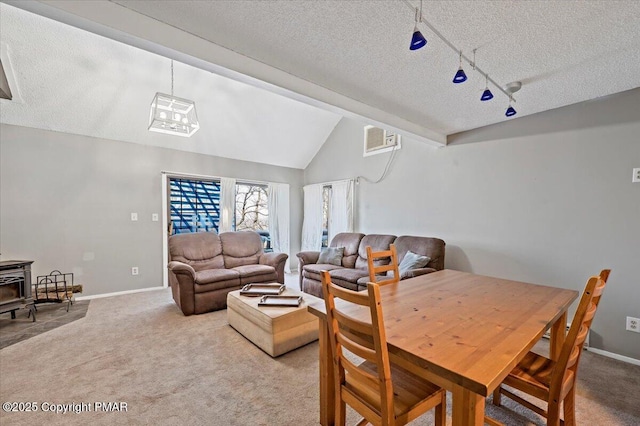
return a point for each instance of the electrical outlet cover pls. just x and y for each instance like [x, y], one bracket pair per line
[633, 324]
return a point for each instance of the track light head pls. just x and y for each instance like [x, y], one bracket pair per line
[486, 95]
[417, 40]
[460, 76]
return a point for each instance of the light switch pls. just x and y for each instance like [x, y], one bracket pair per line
[154, 217]
[134, 216]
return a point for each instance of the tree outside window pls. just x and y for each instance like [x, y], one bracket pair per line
[252, 211]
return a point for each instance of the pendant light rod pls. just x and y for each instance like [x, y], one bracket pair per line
[455, 49]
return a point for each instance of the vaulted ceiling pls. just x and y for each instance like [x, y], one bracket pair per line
[322, 59]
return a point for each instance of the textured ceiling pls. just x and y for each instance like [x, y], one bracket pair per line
[73, 81]
[564, 52]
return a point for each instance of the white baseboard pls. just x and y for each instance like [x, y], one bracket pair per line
[615, 356]
[117, 293]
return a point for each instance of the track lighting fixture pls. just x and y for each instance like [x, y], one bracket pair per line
[460, 76]
[417, 40]
[510, 111]
[486, 95]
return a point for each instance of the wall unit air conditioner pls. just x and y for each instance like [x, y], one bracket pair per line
[377, 140]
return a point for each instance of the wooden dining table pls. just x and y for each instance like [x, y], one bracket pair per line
[463, 332]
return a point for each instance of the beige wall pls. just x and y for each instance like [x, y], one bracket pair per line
[545, 199]
[66, 200]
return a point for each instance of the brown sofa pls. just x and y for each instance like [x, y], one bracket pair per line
[205, 266]
[353, 273]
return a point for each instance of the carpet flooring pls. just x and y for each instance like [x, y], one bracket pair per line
[170, 369]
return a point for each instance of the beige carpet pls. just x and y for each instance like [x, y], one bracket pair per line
[176, 370]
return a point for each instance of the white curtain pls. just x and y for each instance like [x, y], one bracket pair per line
[227, 204]
[279, 219]
[341, 214]
[312, 223]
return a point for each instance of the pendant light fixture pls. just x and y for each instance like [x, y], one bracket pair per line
[172, 115]
[512, 88]
[460, 76]
[417, 40]
[486, 95]
[510, 111]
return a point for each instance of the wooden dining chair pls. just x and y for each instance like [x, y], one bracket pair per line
[555, 381]
[377, 272]
[383, 394]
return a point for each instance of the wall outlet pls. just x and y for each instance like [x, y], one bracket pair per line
[134, 216]
[633, 324]
[134, 270]
[154, 217]
[636, 175]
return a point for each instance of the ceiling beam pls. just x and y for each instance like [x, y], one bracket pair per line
[121, 24]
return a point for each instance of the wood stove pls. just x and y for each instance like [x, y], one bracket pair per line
[15, 286]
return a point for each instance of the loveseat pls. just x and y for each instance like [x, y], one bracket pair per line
[353, 273]
[205, 266]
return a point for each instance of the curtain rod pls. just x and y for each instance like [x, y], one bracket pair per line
[331, 182]
[207, 177]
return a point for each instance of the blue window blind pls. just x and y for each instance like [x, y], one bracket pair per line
[195, 205]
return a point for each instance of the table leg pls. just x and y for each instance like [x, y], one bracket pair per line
[468, 407]
[557, 337]
[327, 398]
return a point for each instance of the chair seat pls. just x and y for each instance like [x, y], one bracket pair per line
[409, 390]
[533, 375]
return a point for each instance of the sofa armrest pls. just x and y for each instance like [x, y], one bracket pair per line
[277, 260]
[306, 258]
[417, 272]
[182, 278]
[182, 268]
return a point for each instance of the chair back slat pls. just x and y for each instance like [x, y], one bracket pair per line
[377, 270]
[356, 349]
[353, 324]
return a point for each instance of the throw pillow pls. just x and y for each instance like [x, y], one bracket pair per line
[411, 261]
[331, 256]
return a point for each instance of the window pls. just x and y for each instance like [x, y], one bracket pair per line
[326, 200]
[252, 211]
[194, 205]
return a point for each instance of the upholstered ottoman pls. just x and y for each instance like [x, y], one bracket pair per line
[276, 330]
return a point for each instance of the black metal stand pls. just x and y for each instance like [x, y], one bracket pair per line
[53, 288]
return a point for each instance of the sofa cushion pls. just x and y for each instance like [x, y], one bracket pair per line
[378, 242]
[411, 261]
[201, 250]
[313, 271]
[241, 248]
[254, 270]
[348, 274]
[207, 276]
[351, 242]
[331, 256]
[215, 279]
[364, 280]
